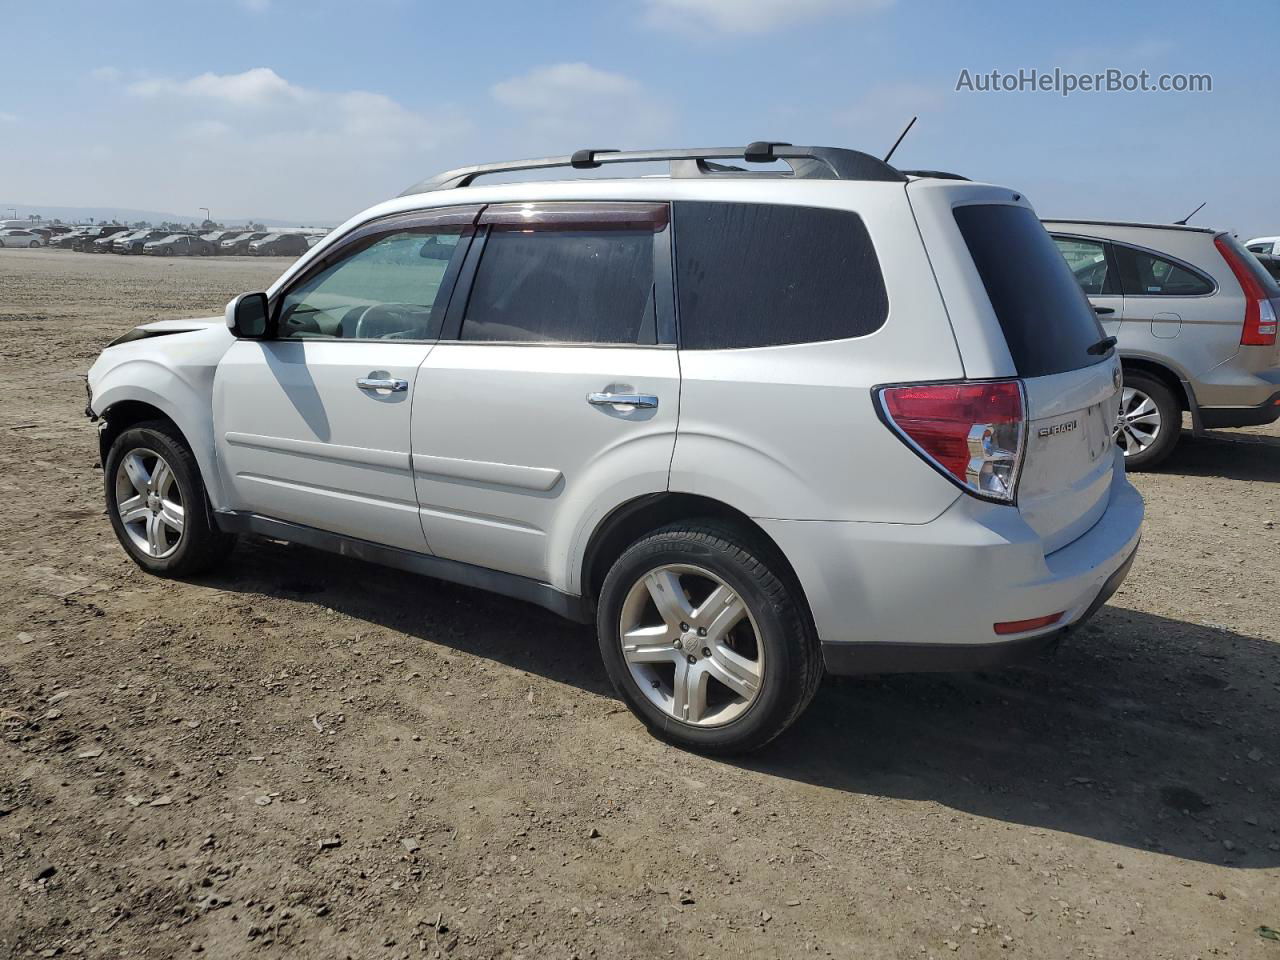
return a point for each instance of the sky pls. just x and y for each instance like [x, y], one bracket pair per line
[313, 111]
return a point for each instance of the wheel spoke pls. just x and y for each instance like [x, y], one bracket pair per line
[668, 596]
[735, 671]
[137, 473]
[1143, 408]
[156, 542]
[172, 516]
[1152, 417]
[689, 691]
[648, 652]
[134, 510]
[161, 478]
[721, 612]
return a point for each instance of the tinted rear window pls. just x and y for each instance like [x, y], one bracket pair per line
[758, 275]
[563, 286]
[1047, 321]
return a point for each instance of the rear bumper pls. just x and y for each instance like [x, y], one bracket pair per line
[855, 658]
[925, 597]
[1263, 413]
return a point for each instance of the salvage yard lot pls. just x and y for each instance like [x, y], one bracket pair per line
[308, 755]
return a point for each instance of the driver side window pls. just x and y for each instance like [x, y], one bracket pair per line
[385, 290]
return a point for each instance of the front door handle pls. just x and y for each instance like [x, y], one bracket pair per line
[644, 401]
[379, 383]
[1102, 310]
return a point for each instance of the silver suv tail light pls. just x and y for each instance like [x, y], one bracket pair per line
[973, 433]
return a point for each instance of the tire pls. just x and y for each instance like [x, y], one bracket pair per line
[1147, 402]
[197, 544]
[769, 641]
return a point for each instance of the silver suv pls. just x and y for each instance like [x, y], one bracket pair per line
[752, 423]
[1195, 316]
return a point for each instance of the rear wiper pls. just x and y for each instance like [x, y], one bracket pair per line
[1102, 346]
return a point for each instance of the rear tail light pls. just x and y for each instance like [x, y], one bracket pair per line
[973, 433]
[1259, 315]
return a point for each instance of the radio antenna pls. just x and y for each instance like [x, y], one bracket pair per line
[1183, 221]
[905, 131]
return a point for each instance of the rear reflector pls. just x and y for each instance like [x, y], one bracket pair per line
[1022, 626]
[1259, 328]
[973, 433]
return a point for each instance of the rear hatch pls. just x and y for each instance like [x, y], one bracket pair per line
[1070, 382]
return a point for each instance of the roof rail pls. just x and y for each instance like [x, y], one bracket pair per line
[807, 163]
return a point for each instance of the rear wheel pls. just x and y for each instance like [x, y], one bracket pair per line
[1149, 421]
[703, 638]
[157, 503]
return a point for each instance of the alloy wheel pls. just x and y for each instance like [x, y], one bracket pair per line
[691, 645]
[149, 503]
[1138, 423]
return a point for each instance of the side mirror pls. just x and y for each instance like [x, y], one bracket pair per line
[247, 316]
[434, 250]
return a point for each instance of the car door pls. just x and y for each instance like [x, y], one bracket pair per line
[1093, 262]
[1167, 299]
[553, 394]
[312, 424]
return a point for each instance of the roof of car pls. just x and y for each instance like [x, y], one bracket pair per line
[1131, 223]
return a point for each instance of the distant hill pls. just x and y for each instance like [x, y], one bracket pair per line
[130, 215]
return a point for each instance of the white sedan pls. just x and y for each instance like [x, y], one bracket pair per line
[20, 238]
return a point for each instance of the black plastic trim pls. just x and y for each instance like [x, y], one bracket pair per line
[1268, 411]
[860, 658]
[507, 584]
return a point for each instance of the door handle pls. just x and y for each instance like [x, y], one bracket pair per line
[645, 401]
[1102, 310]
[390, 383]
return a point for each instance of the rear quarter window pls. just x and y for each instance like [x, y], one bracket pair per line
[1047, 321]
[759, 275]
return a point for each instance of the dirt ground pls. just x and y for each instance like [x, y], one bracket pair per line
[309, 756]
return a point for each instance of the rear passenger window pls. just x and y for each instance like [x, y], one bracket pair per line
[556, 274]
[1088, 261]
[1144, 274]
[759, 275]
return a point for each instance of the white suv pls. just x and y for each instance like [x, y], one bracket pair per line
[754, 423]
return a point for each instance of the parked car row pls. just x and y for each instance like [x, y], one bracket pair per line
[165, 243]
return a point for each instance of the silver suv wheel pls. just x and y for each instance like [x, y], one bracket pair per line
[1138, 424]
[691, 645]
[149, 502]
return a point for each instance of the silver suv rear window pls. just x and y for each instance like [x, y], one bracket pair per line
[1046, 318]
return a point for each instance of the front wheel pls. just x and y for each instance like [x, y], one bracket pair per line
[1149, 421]
[157, 503]
[704, 639]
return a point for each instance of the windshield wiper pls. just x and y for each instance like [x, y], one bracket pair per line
[1102, 346]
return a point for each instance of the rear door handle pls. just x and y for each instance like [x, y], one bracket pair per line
[1103, 310]
[645, 401]
[376, 383]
